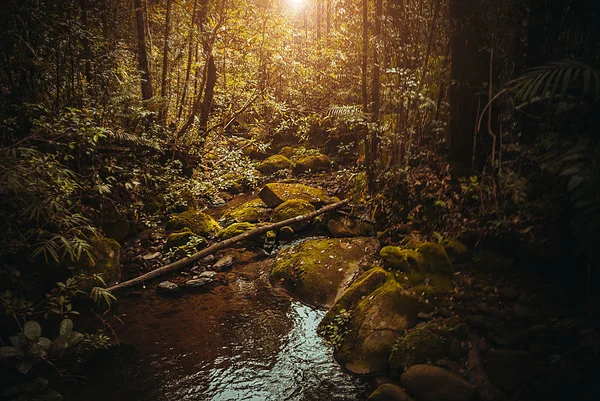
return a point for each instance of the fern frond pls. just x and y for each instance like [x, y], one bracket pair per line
[348, 112]
[554, 81]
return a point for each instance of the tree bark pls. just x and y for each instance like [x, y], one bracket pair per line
[207, 101]
[221, 245]
[143, 65]
[189, 62]
[165, 64]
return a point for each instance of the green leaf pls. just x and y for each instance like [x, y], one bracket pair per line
[66, 327]
[44, 342]
[32, 330]
[19, 341]
[9, 352]
[574, 182]
[24, 367]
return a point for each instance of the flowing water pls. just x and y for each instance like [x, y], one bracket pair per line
[240, 341]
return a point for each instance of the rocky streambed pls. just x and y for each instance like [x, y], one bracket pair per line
[339, 317]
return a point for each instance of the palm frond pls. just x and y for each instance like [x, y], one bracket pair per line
[556, 80]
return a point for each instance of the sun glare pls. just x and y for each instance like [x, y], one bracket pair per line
[297, 4]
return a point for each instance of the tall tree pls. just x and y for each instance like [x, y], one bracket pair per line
[165, 64]
[143, 64]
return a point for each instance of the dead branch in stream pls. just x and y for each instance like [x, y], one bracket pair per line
[171, 267]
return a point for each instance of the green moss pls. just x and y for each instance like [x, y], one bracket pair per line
[252, 211]
[436, 257]
[274, 163]
[291, 208]
[315, 270]
[424, 343]
[286, 233]
[378, 320]
[276, 193]
[312, 163]
[401, 259]
[234, 230]
[200, 223]
[456, 250]
[183, 237]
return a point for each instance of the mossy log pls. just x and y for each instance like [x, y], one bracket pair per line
[171, 267]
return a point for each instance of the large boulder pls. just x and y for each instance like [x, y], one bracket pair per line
[316, 271]
[426, 268]
[274, 194]
[253, 211]
[200, 223]
[311, 163]
[432, 383]
[183, 242]
[105, 261]
[346, 227]
[375, 322]
[287, 151]
[389, 392]
[274, 163]
[456, 250]
[291, 208]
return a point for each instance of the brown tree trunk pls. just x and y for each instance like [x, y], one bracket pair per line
[165, 65]
[189, 61]
[85, 42]
[143, 64]
[207, 101]
[319, 17]
[376, 94]
[468, 73]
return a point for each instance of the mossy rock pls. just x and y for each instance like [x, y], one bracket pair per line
[274, 163]
[427, 342]
[287, 151]
[254, 152]
[286, 233]
[316, 271]
[252, 211]
[181, 238]
[376, 323]
[311, 163]
[432, 383]
[200, 223]
[427, 266]
[456, 250]
[389, 392]
[106, 262]
[234, 230]
[291, 208]
[347, 227]
[436, 257]
[274, 194]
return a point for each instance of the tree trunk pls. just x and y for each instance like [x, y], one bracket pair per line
[143, 64]
[85, 42]
[207, 101]
[319, 17]
[165, 65]
[189, 62]
[468, 73]
[376, 94]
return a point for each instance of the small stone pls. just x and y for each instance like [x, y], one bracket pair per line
[208, 274]
[208, 259]
[202, 283]
[388, 392]
[223, 263]
[151, 256]
[169, 289]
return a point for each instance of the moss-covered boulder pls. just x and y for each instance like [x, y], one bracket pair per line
[316, 271]
[234, 230]
[291, 208]
[200, 223]
[376, 322]
[253, 211]
[274, 163]
[427, 267]
[182, 238]
[287, 151]
[346, 227]
[255, 152]
[311, 163]
[432, 383]
[105, 261]
[389, 392]
[118, 230]
[427, 342]
[456, 250]
[274, 194]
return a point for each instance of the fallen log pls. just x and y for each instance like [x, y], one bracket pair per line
[171, 267]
